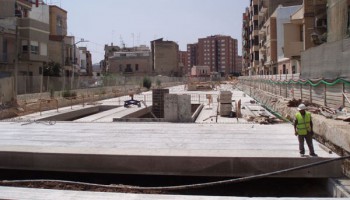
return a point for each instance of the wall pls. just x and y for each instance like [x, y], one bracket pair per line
[329, 61]
[166, 58]
[292, 41]
[144, 65]
[55, 51]
[283, 15]
[7, 8]
[6, 90]
[55, 14]
[40, 14]
[337, 19]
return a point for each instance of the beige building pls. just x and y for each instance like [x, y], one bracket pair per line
[165, 58]
[58, 31]
[109, 52]
[200, 71]
[131, 61]
[307, 29]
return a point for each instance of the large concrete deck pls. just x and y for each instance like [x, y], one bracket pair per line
[162, 149]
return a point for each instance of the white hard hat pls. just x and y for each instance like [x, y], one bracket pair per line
[301, 107]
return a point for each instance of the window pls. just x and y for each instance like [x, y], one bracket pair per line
[25, 48]
[34, 47]
[284, 69]
[301, 33]
[43, 49]
[137, 67]
[128, 68]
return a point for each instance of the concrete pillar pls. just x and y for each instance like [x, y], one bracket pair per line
[177, 108]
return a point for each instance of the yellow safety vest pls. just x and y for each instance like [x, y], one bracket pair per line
[304, 124]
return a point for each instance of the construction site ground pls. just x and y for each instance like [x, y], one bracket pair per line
[213, 146]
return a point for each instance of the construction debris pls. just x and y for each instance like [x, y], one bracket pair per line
[264, 119]
[294, 103]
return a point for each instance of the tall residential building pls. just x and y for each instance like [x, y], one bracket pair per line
[258, 12]
[239, 64]
[183, 60]
[165, 58]
[246, 43]
[219, 52]
[192, 55]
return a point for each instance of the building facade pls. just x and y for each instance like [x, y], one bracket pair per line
[183, 60]
[192, 55]
[219, 52]
[131, 61]
[255, 20]
[331, 59]
[109, 52]
[165, 58]
[200, 71]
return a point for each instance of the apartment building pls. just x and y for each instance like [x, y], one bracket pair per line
[254, 19]
[246, 43]
[183, 60]
[192, 55]
[165, 58]
[239, 64]
[219, 52]
[58, 31]
[7, 46]
[131, 61]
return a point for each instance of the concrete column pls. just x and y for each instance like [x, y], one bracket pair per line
[177, 108]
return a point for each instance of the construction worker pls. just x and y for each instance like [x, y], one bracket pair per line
[304, 130]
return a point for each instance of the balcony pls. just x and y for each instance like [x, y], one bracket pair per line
[262, 8]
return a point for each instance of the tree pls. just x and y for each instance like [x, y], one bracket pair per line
[52, 69]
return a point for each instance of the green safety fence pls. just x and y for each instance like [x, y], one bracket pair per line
[310, 82]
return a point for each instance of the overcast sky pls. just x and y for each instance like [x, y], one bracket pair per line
[137, 22]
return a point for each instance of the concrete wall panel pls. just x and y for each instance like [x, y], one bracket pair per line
[6, 90]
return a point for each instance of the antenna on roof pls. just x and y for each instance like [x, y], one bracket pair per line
[122, 43]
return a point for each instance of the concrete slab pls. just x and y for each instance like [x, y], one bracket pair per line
[42, 194]
[153, 148]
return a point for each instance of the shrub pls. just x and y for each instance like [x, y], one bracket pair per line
[159, 82]
[147, 83]
[69, 94]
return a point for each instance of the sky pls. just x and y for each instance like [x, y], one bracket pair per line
[137, 22]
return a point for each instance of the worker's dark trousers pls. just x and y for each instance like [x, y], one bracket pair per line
[308, 139]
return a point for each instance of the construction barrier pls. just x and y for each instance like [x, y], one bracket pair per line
[333, 94]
